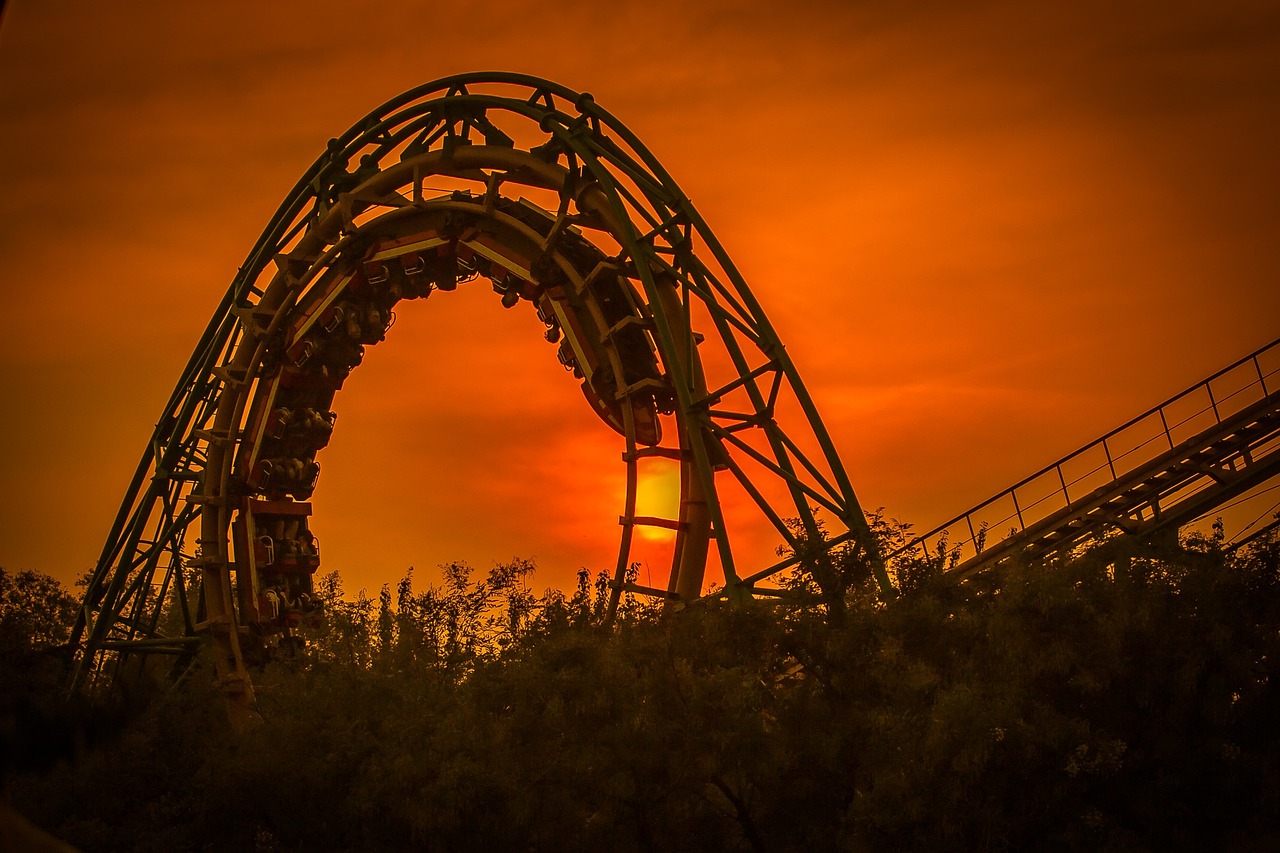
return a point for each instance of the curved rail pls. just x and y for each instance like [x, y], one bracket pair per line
[499, 176]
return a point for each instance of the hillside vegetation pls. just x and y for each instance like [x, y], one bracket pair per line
[1123, 700]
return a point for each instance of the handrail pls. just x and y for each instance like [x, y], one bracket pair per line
[1030, 505]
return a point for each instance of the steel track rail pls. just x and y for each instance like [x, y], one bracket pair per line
[494, 132]
[1171, 465]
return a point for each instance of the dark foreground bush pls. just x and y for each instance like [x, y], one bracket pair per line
[1126, 700]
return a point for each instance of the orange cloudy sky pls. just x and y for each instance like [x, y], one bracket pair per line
[987, 233]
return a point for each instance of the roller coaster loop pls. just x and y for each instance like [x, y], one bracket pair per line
[487, 176]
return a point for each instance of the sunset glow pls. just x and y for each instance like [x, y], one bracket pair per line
[658, 496]
[985, 235]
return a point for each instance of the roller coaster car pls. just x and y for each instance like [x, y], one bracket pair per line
[331, 356]
[358, 321]
[646, 393]
[406, 267]
[282, 608]
[583, 338]
[301, 431]
[311, 382]
[292, 422]
[276, 557]
[590, 315]
[281, 476]
[461, 243]
[285, 553]
[312, 428]
[330, 340]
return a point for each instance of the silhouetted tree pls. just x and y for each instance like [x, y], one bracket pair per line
[36, 611]
[1122, 699]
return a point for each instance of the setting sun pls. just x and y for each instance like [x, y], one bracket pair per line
[978, 225]
[658, 496]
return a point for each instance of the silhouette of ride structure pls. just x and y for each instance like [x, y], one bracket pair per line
[1169, 466]
[534, 189]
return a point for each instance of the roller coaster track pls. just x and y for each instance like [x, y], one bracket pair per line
[535, 189]
[498, 177]
[1165, 468]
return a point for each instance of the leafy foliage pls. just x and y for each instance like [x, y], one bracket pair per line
[1124, 699]
[36, 612]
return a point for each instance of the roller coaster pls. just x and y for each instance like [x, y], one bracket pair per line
[1169, 466]
[538, 191]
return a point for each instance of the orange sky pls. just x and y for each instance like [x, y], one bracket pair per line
[986, 232]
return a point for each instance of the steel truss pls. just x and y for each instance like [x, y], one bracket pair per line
[499, 176]
[1167, 467]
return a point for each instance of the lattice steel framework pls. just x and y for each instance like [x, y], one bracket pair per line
[497, 176]
[1167, 467]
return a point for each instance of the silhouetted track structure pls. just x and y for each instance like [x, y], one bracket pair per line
[535, 189]
[1165, 468]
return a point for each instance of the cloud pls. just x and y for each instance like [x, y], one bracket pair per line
[982, 230]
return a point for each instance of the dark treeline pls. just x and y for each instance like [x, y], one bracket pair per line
[1123, 700]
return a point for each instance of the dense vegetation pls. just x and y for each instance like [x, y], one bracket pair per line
[1123, 700]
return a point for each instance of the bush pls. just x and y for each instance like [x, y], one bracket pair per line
[1121, 700]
